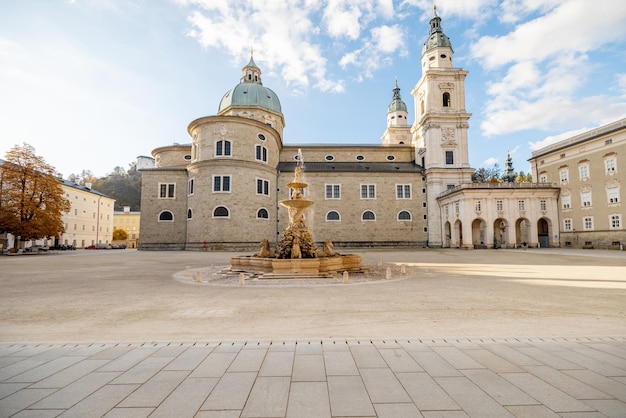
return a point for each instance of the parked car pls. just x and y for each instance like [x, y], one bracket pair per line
[36, 248]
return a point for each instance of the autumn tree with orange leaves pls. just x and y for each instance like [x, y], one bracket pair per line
[31, 197]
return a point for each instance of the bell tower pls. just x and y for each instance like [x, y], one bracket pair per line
[398, 130]
[441, 123]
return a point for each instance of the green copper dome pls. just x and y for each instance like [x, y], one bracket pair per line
[396, 103]
[437, 38]
[250, 92]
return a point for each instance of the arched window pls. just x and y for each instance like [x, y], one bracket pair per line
[223, 148]
[404, 215]
[166, 216]
[189, 213]
[221, 212]
[446, 99]
[262, 214]
[333, 215]
[368, 215]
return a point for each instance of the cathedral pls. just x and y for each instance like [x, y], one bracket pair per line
[222, 191]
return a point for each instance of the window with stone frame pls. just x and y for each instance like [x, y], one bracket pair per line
[221, 184]
[167, 190]
[333, 191]
[564, 175]
[404, 215]
[567, 224]
[584, 171]
[585, 198]
[368, 215]
[368, 191]
[223, 148]
[190, 186]
[609, 165]
[333, 216]
[616, 221]
[613, 194]
[403, 191]
[262, 187]
[499, 205]
[588, 223]
[261, 153]
[566, 201]
[543, 205]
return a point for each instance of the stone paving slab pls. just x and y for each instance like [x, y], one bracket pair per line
[408, 377]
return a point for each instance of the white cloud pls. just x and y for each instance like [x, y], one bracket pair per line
[549, 140]
[289, 42]
[546, 66]
[514, 10]
[489, 162]
[621, 82]
[575, 25]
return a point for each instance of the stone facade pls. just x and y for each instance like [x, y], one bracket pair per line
[223, 190]
[589, 169]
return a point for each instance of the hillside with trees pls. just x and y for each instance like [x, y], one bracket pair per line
[123, 186]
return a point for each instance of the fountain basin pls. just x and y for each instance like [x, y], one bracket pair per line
[268, 268]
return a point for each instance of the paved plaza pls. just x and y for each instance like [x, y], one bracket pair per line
[426, 333]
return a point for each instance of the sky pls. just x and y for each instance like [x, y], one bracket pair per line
[93, 84]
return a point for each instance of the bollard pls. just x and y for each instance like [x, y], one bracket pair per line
[199, 276]
[388, 273]
[403, 269]
[380, 262]
[187, 271]
[242, 279]
[346, 277]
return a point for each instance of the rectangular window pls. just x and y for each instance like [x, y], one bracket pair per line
[584, 172]
[616, 221]
[403, 191]
[447, 211]
[221, 183]
[166, 190]
[190, 185]
[521, 205]
[368, 191]
[262, 187]
[456, 208]
[567, 224]
[609, 163]
[543, 178]
[585, 197]
[261, 153]
[333, 191]
[613, 194]
[566, 201]
[478, 206]
[563, 175]
[449, 157]
[543, 205]
[499, 205]
[588, 222]
[449, 186]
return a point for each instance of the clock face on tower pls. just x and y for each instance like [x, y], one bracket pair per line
[447, 134]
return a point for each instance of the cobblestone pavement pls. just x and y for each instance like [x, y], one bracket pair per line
[131, 334]
[462, 377]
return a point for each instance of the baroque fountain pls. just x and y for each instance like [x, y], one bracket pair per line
[296, 254]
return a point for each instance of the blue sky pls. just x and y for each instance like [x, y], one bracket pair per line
[92, 84]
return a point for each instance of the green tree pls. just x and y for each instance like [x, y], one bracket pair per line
[123, 186]
[119, 235]
[485, 175]
[32, 202]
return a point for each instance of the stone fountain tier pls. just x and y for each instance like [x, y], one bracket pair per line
[278, 268]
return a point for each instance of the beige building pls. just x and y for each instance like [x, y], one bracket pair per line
[130, 222]
[90, 220]
[589, 169]
[223, 190]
